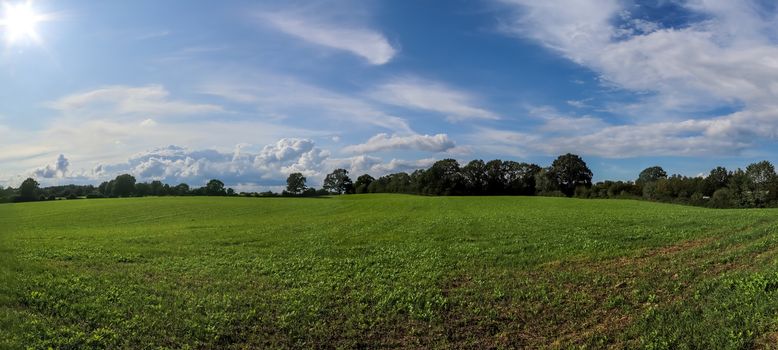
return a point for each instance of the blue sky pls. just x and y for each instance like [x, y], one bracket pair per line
[249, 91]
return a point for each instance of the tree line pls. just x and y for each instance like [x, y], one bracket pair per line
[568, 175]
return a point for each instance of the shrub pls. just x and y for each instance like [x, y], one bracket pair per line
[722, 198]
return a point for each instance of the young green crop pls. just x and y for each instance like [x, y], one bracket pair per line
[385, 271]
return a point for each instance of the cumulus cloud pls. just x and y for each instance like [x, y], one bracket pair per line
[269, 166]
[386, 142]
[265, 167]
[363, 42]
[375, 166]
[57, 170]
[426, 95]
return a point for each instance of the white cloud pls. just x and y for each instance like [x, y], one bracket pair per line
[126, 100]
[727, 135]
[375, 166]
[725, 60]
[285, 96]
[386, 142]
[554, 122]
[436, 97]
[268, 167]
[363, 42]
[57, 170]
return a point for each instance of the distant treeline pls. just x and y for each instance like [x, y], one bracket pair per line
[568, 175]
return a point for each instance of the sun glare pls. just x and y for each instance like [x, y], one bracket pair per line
[19, 21]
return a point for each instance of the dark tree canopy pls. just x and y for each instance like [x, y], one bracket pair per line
[338, 182]
[363, 183]
[651, 174]
[443, 178]
[754, 186]
[570, 171]
[215, 188]
[123, 186]
[29, 189]
[474, 176]
[761, 173]
[181, 189]
[295, 183]
[718, 178]
[519, 178]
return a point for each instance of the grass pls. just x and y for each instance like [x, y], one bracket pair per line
[385, 271]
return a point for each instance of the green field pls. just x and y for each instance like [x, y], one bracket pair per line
[385, 271]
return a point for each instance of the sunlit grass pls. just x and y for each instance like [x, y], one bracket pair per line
[385, 270]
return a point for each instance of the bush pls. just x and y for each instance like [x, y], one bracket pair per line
[722, 198]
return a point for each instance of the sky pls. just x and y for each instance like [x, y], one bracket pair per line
[250, 91]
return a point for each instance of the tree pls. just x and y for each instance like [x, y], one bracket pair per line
[28, 190]
[443, 178]
[761, 178]
[722, 198]
[651, 174]
[363, 183]
[156, 188]
[142, 189]
[761, 174]
[338, 182]
[495, 178]
[103, 189]
[123, 185]
[474, 177]
[215, 188]
[570, 171]
[718, 178]
[181, 189]
[295, 183]
[519, 178]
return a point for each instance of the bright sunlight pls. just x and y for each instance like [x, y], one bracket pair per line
[19, 22]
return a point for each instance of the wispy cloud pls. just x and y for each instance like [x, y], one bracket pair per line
[415, 93]
[153, 35]
[679, 72]
[366, 43]
[281, 95]
[121, 100]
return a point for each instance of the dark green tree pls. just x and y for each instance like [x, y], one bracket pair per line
[363, 183]
[123, 186]
[29, 189]
[474, 177]
[338, 182]
[181, 189]
[519, 178]
[495, 178]
[570, 171]
[156, 188]
[215, 188]
[651, 174]
[716, 179]
[442, 179]
[761, 176]
[295, 183]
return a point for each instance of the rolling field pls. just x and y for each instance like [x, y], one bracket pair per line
[385, 271]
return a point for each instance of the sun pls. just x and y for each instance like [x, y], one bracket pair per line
[19, 22]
